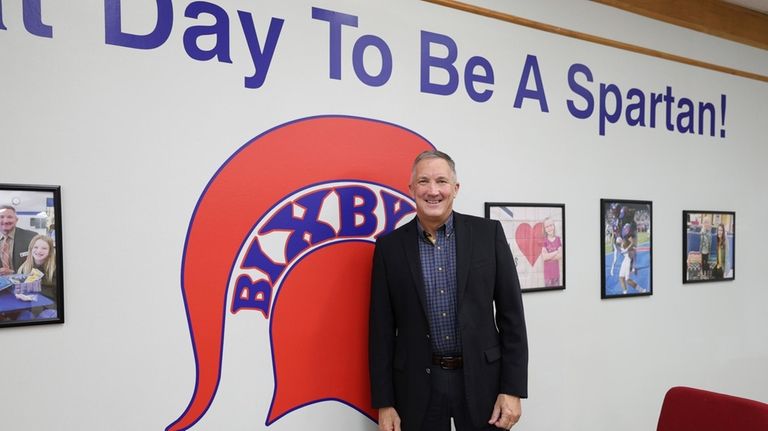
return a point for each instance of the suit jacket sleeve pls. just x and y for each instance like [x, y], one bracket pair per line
[510, 320]
[381, 336]
[21, 245]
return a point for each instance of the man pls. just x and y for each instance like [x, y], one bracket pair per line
[437, 350]
[14, 242]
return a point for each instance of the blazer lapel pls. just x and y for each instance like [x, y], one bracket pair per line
[411, 246]
[463, 254]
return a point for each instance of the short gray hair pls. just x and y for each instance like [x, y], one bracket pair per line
[434, 154]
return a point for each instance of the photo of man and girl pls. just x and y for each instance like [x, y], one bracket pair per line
[29, 289]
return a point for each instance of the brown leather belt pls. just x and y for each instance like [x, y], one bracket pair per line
[448, 362]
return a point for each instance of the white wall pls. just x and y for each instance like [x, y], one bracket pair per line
[133, 136]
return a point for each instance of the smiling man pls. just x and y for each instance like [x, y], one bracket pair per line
[14, 241]
[437, 349]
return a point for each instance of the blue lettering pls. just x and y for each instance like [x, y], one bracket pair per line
[250, 295]
[33, 19]
[220, 29]
[261, 58]
[306, 230]
[613, 117]
[470, 77]
[2, 26]
[722, 114]
[638, 106]
[336, 20]
[581, 91]
[531, 65]
[655, 100]
[681, 117]
[256, 258]
[394, 211]
[444, 63]
[158, 36]
[668, 101]
[349, 210]
[386, 61]
[685, 118]
[710, 108]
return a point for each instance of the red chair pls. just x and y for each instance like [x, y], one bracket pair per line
[688, 409]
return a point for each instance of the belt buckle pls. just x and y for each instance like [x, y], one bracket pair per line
[446, 362]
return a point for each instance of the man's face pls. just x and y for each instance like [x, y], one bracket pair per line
[8, 220]
[434, 188]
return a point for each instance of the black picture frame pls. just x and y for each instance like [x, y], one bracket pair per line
[525, 230]
[626, 248]
[712, 257]
[31, 279]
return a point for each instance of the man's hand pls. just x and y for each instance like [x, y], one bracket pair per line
[389, 420]
[506, 412]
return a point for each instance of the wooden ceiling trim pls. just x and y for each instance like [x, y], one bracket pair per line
[490, 13]
[718, 18]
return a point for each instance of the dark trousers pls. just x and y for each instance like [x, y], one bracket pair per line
[448, 400]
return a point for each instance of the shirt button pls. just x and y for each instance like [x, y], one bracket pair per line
[427, 335]
[428, 370]
[440, 268]
[443, 314]
[442, 291]
[447, 337]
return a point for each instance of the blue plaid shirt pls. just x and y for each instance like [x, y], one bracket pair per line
[438, 267]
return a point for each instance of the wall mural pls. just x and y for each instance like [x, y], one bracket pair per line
[287, 226]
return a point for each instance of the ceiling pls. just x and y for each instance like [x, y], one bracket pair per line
[756, 5]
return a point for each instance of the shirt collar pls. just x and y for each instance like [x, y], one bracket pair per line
[10, 235]
[448, 227]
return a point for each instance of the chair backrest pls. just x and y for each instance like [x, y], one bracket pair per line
[689, 409]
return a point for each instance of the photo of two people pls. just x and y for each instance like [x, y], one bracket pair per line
[30, 255]
[708, 246]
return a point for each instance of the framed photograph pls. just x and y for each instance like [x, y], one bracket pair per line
[626, 248]
[31, 281]
[709, 246]
[536, 235]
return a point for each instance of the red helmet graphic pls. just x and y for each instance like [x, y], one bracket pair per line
[322, 189]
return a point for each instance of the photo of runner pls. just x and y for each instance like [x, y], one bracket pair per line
[626, 248]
